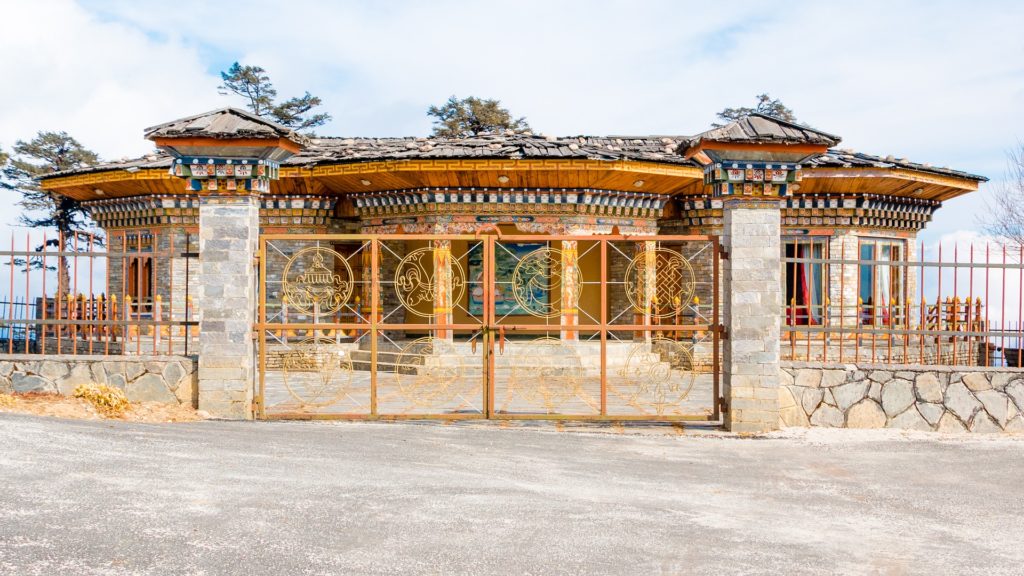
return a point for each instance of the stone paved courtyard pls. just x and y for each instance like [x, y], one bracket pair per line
[487, 498]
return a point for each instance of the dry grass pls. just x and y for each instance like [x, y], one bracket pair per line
[81, 408]
[108, 400]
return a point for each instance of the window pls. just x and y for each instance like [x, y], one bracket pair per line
[140, 280]
[881, 290]
[805, 281]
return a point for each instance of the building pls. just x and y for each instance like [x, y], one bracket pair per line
[608, 251]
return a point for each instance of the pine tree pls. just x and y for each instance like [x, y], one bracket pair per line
[47, 153]
[253, 83]
[765, 105]
[473, 116]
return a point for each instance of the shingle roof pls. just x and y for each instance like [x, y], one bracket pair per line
[761, 128]
[850, 159]
[223, 123]
[508, 145]
[659, 149]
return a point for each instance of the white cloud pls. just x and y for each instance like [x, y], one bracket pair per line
[101, 81]
[932, 81]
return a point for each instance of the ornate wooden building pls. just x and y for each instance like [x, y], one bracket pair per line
[603, 242]
[831, 199]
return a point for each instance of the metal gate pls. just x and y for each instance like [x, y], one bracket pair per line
[494, 326]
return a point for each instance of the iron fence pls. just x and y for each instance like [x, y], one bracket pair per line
[130, 293]
[881, 301]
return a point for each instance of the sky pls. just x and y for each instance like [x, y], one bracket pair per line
[939, 82]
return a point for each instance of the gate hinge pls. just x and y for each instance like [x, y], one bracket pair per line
[723, 406]
[723, 254]
[723, 331]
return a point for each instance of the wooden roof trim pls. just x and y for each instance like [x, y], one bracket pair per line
[105, 177]
[343, 169]
[898, 173]
[175, 141]
[762, 147]
[453, 165]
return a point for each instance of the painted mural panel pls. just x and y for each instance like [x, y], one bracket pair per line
[507, 255]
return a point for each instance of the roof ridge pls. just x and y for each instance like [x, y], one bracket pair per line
[794, 124]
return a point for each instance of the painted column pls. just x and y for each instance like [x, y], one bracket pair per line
[752, 313]
[443, 288]
[570, 290]
[228, 238]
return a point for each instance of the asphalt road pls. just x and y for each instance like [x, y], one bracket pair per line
[81, 497]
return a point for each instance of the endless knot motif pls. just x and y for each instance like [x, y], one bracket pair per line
[317, 371]
[420, 277]
[537, 279]
[659, 375]
[429, 372]
[547, 372]
[661, 281]
[312, 284]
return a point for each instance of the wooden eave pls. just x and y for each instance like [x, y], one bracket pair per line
[340, 179]
[214, 143]
[667, 179]
[887, 181]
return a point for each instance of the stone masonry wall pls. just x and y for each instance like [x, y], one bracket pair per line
[228, 234]
[752, 312]
[168, 379]
[940, 398]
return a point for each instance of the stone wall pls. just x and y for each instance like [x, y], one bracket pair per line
[228, 234]
[752, 314]
[169, 379]
[911, 397]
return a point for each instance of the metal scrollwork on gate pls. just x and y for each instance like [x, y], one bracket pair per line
[317, 280]
[658, 375]
[429, 372]
[316, 371]
[547, 373]
[538, 277]
[660, 281]
[423, 273]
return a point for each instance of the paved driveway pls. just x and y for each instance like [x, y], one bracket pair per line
[339, 498]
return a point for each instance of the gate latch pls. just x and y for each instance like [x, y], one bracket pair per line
[723, 331]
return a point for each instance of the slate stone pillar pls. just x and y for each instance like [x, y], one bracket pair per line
[228, 240]
[753, 303]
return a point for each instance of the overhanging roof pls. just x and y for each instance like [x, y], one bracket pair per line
[516, 159]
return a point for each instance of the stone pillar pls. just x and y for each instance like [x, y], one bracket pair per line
[569, 290]
[752, 313]
[228, 238]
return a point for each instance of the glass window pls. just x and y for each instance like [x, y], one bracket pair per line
[805, 280]
[882, 287]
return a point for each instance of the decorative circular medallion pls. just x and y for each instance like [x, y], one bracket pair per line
[547, 373]
[417, 281]
[317, 280]
[658, 375]
[317, 371]
[661, 281]
[429, 371]
[537, 281]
